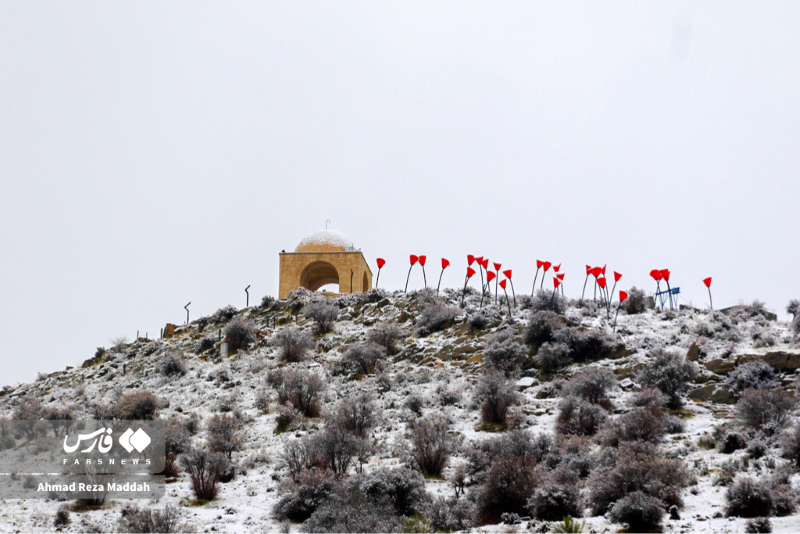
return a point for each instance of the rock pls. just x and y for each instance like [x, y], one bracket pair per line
[169, 330]
[525, 382]
[721, 367]
[713, 393]
[626, 383]
[693, 354]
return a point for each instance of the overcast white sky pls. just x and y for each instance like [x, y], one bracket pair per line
[156, 153]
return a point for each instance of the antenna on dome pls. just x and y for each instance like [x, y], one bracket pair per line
[327, 222]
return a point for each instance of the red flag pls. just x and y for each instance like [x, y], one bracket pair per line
[485, 263]
[707, 282]
[656, 274]
[560, 276]
[557, 267]
[445, 263]
[423, 259]
[546, 266]
[479, 260]
[622, 296]
[381, 262]
[497, 266]
[604, 270]
[556, 282]
[470, 272]
[539, 264]
[503, 283]
[596, 271]
[588, 269]
[490, 276]
[601, 282]
[507, 273]
[665, 274]
[617, 276]
[413, 259]
[470, 259]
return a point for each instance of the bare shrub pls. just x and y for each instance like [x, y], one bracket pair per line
[62, 518]
[302, 389]
[546, 300]
[477, 322]
[293, 344]
[577, 416]
[177, 440]
[207, 343]
[267, 301]
[386, 335]
[542, 328]
[239, 333]
[357, 414]
[28, 409]
[636, 466]
[650, 399]
[334, 448]
[750, 375]
[223, 315]
[224, 434]
[137, 405]
[636, 425]
[495, 394]
[636, 302]
[204, 469]
[60, 418]
[366, 358]
[402, 487]
[592, 384]
[167, 519]
[302, 495]
[172, 365]
[790, 444]
[323, 314]
[640, 511]
[432, 444]
[670, 373]
[508, 485]
[262, 401]
[764, 409]
[552, 356]
[414, 403]
[587, 345]
[434, 317]
[503, 353]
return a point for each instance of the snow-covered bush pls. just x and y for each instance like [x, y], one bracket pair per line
[748, 497]
[207, 343]
[365, 358]
[204, 469]
[239, 333]
[300, 496]
[477, 321]
[790, 444]
[592, 384]
[636, 301]
[552, 356]
[323, 314]
[356, 414]
[402, 487]
[750, 375]
[669, 372]
[167, 519]
[757, 448]
[349, 510]
[28, 409]
[556, 497]
[62, 518]
[764, 409]
[301, 389]
[793, 308]
[587, 345]
[650, 399]
[546, 300]
[293, 344]
[435, 316]
[334, 448]
[577, 416]
[449, 514]
[224, 434]
[137, 405]
[386, 335]
[414, 403]
[636, 466]
[637, 425]
[267, 301]
[224, 315]
[640, 511]
[542, 327]
[507, 486]
[495, 394]
[432, 444]
[733, 442]
[172, 365]
[757, 525]
[503, 353]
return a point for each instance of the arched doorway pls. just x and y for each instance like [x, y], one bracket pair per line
[318, 274]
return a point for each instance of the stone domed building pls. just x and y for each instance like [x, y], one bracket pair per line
[322, 258]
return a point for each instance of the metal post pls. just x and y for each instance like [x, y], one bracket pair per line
[187, 312]
[351, 280]
[248, 296]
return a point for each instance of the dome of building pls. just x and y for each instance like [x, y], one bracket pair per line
[325, 241]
